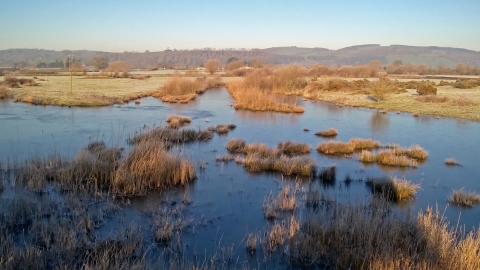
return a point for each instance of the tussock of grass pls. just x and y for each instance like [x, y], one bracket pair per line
[460, 197]
[291, 148]
[452, 162]
[222, 129]
[179, 98]
[393, 189]
[415, 152]
[334, 148]
[262, 150]
[361, 144]
[176, 121]
[367, 156]
[150, 166]
[165, 134]
[391, 158]
[183, 90]
[327, 133]
[236, 146]
[251, 243]
[286, 165]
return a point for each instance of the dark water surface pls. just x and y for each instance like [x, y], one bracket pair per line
[226, 196]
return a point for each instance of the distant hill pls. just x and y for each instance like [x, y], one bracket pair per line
[431, 56]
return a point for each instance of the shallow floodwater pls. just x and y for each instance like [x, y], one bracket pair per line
[228, 198]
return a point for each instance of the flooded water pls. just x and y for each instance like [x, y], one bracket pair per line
[227, 197]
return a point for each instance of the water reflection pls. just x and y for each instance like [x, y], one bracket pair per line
[379, 122]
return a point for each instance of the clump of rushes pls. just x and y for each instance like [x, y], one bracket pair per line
[334, 148]
[222, 129]
[361, 144]
[290, 148]
[178, 90]
[389, 157]
[415, 152]
[460, 197]
[176, 121]
[367, 156]
[165, 134]
[235, 146]
[393, 189]
[452, 162]
[150, 166]
[327, 133]
[262, 150]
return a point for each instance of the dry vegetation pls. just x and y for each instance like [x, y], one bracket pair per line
[463, 198]
[452, 162]
[179, 89]
[332, 132]
[393, 189]
[176, 121]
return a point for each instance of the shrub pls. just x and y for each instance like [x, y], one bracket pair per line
[383, 87]
[426, 88]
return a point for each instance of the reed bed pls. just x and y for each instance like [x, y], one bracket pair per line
[149, 166]
[332, 132]
[176, 121]
[463, 198]
[165, 134]
[371, 235]
[236, 146]
[392, 158]
[335, 148]
[415, 152]
[362, 144]
[393, 189]
[298, 165]
[291, 148]
[183, 90]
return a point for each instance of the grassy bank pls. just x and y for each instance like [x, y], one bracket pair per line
[87, 92]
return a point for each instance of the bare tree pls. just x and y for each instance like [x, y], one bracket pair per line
[212, 65]
[118, 66]
[100, 62]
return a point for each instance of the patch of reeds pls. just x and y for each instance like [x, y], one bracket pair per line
[178, 90]
[236, 146]
[336, 238]
[4, 92]
[150, 166]
[335, 148]
[176, 121]
[415, 152]
[432, 99]
[367, 156]
[452, 162]
[165, 134]
[251, 243]
[222, 129]
[298, 165]
[291, 148]
[14, 82]
[327, 133]
[393, 189]
[261, 149]
[362, 144]
[463, 198]
[392, 158]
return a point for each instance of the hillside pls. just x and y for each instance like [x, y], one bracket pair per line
[432, 56]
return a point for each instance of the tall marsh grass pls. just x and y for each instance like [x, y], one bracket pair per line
[393, 189]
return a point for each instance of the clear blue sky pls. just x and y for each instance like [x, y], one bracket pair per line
[155, 25]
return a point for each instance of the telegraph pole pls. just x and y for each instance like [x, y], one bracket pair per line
[70, 68]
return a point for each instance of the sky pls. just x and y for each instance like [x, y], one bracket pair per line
[141, 25]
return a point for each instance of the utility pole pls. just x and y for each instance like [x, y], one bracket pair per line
[70, 67]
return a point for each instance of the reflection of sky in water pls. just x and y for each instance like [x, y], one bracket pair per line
[28, 129]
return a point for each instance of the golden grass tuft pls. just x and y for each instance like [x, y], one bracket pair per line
[176, 121]
[415, 152]
[460, 197]
[393, 189]
[452, 162]
[291, 148]
[179, 90]
[327, 133]
[361, 144]
[335, 148]
[170, 135]
[235, 146]
[150, 166]
[390, 158]
[367, 156]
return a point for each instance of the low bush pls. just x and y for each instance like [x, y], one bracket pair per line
[426, 88]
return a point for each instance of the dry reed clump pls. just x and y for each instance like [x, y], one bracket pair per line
[14, 82]
[362, 144]
[286, 165]
[426, 88]
[367, 156]
[334, 148]
[209, 83]
[452, 162]
[466, 83]
[371, 235]
[251, 243]
[382, 88]
[178, 90]
[462, 100]
[176, 121]
[275, 238]
[255, 99]
[415, 152]
[261, 149]
[460, 197]
[222, 129]
[393, 189]
[327, 133]
[4, 92]
[236, 146]
[389, 157]
[150, 166]
[165, 134]
[291, 148]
